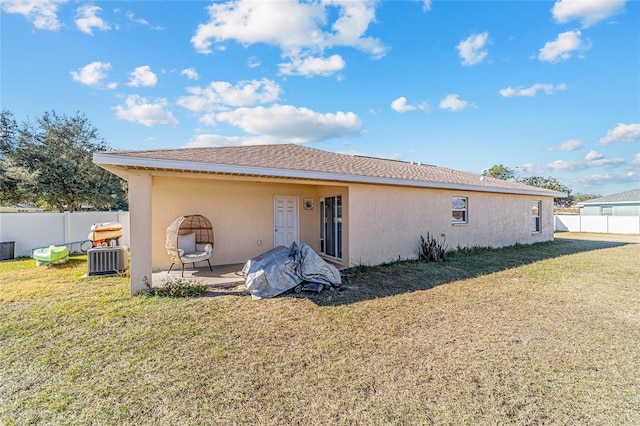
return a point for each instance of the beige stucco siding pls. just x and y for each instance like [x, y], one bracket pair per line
[241, 212]
[386, 222]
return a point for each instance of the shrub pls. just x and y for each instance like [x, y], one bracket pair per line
[432, 249]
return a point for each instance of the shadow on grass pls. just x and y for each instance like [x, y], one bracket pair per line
[365, 283]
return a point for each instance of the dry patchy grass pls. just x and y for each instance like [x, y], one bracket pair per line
[543, 334]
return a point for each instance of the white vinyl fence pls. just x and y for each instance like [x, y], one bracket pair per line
[34, 230]
[601, 224]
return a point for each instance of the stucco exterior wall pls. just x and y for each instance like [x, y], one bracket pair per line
[616, 209]
[386, 223]
[241, 212]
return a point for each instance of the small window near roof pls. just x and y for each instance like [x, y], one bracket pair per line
[459, 209]
[536, 224]
[606, 211]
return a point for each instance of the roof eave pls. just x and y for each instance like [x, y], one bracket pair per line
[606, 202]
[107, 159]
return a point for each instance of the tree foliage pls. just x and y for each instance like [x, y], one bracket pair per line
[579, 198]
[49, 164]
[499, 171]
[550, 183]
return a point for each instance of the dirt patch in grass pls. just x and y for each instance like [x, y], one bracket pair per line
[543, 334]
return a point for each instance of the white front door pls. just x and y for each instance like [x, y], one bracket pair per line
[285, 220]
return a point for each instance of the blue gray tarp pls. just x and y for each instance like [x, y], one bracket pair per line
[283, 268]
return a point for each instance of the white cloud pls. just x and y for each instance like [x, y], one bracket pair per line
[41, 13]
[291, 25]
[636, 160]
[206, 140]
[143, 76]
[278, 124]
[400, 105]
[91, 74]
[566, 165]
[560, 165]
[608, 178]
[592, 160]
[570, 145]
[472, 50]
[253, 62]
[139, 110]
[593, 155]
[130, 16]
[311, 66]
[191, 73]
[606, 162]
[87, 19]
[622, 133]
[549, 89]
[588, 12]
[454, 103]
[289, 123]
[426, 5]
[221, 94]
[563, 47]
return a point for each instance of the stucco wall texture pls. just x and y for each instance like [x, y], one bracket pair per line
[240, 210]
[386, 222]
[380, 223]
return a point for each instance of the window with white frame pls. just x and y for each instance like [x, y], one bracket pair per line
[536, 224]
[459, 209]
[606, 211]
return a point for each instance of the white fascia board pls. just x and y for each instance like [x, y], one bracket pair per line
[607, 203]
[190, 166]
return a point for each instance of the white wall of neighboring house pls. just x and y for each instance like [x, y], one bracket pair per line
[34, 230]
[599, 224]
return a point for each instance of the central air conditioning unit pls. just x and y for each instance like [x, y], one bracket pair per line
[107, 260]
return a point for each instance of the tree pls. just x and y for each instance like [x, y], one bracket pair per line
[10, 193]
[550, 183]
[579, 198]
[49, 164]
[500, 172]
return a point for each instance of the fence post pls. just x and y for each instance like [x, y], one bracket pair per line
[67, 227]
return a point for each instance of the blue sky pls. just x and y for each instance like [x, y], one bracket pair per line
[546, 88]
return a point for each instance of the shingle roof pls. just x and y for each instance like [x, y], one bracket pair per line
[304, 163]
[632, 196]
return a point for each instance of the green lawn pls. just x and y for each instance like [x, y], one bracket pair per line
[542, 334]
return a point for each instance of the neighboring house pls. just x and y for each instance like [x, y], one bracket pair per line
[622, 204]
[20, 208]
[351, 209]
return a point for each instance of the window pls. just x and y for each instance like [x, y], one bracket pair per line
[606, 210]
[536, 224]
[459, 210]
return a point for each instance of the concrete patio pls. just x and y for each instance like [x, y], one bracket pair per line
[225, 277]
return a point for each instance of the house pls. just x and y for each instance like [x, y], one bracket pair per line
[20, 208]
[621, 204]
[353, 210]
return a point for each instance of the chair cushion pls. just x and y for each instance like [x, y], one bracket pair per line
[195, 257]
[187, 242]
[204, 247]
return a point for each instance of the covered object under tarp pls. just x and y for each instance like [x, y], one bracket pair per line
[283, 268]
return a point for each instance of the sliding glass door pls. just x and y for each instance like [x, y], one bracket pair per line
[331, 226]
